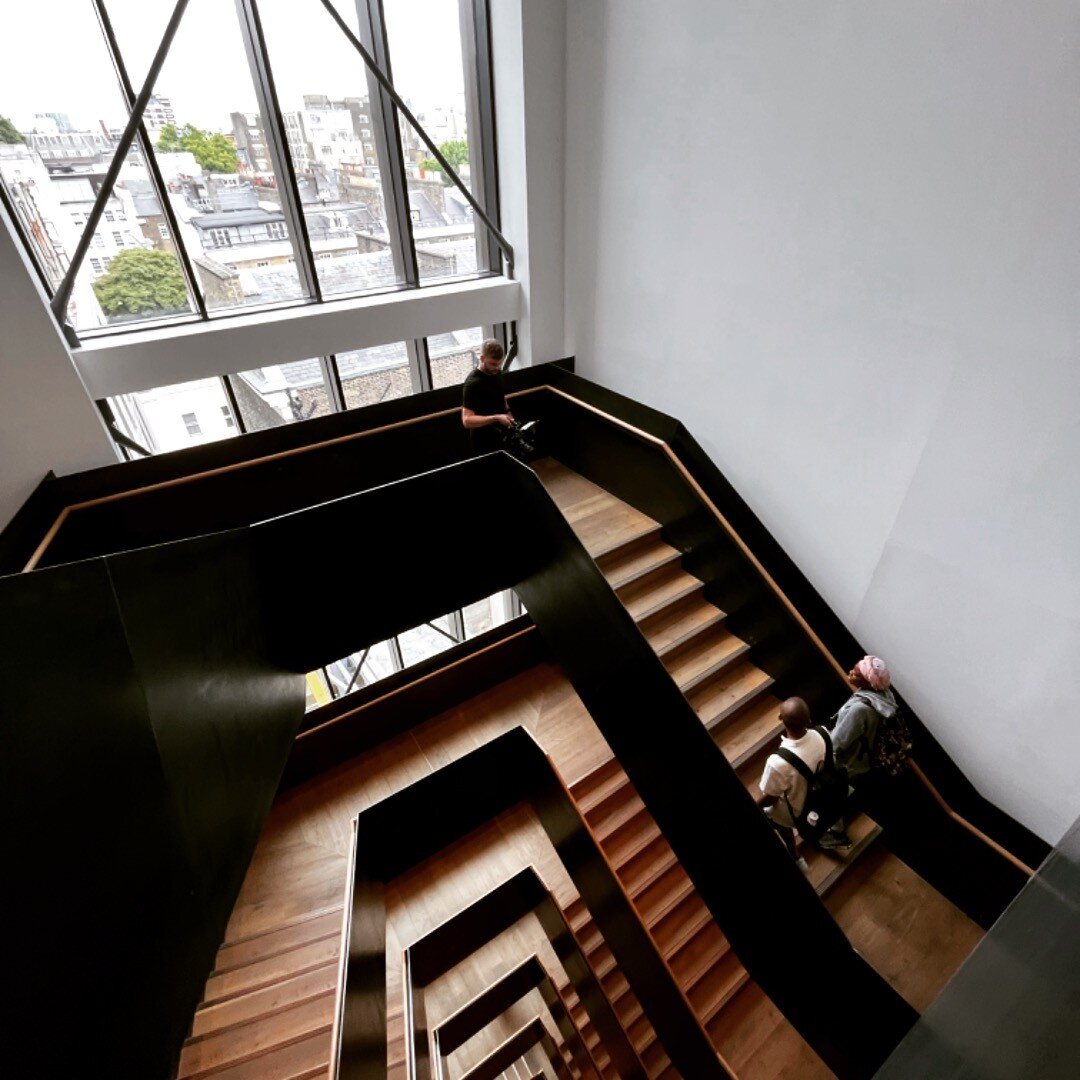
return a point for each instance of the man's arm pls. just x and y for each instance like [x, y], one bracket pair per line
[771, 786]
[471, 420]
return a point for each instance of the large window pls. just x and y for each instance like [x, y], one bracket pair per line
[411, 647]
[270, 168]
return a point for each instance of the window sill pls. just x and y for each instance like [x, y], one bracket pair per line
[143, 359]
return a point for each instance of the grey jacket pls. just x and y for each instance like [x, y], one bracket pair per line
[855, 727]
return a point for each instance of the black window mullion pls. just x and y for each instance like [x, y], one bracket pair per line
[234, 405]
[332, 379]
[277, 143]
[387, 129]
[480, 119]
[419, 363]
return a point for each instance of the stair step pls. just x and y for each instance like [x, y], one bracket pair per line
[703, 657]
[731, 691]
[635, 560]
[635, 835]
[680, 925]
[637, 874]
[592, 787]
[750, 730]
[608, 801]
[721, 982]
[701, 951]
[664, 894]
[605, 524]
[618, 813]
[250, 1040]
[680, 623]
[270, 999]
[652, 595]
[273, 942]
[262, 973]
[305, 1059]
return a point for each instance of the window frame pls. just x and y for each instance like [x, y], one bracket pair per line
[383, 121]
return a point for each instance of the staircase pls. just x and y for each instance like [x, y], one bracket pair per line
[733, 699]
[268, 1008]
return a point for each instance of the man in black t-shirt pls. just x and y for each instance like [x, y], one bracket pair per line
[484, 412]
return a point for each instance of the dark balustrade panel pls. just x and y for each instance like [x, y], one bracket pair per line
[1011, 1010]
[450, 943]
[142, 742]
[486, 1007]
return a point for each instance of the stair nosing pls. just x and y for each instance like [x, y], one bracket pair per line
[687, 590]
[717, 668]
[732, 710]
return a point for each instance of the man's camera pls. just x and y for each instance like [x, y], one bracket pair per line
[520, 440]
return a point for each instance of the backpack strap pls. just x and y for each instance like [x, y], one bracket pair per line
[828, 763]
[796, 763]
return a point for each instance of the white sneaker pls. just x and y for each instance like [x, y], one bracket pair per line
[803, 865]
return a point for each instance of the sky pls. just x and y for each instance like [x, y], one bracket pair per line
[56, 60]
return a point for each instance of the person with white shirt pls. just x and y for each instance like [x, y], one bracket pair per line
[783, 788]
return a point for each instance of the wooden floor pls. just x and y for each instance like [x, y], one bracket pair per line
[269, 1004]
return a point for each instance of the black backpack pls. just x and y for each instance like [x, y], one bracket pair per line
[826, 794]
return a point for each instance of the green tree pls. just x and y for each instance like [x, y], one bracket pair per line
[139, 281]
[456, 152]
[169, 140]
[8, 134]
[212, 151]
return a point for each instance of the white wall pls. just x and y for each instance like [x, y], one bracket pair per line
[840, 241]
[528, 58]
[47, 421]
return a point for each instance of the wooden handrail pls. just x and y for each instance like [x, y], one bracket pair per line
[220, 470]
[784, 599]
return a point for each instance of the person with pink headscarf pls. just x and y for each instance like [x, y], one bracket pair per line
[855, 726]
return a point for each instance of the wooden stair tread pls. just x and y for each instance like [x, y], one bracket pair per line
[651, 595]
[663, 894]
[273, 969]
[704, 656]
[265, 1001]
[683, 928]
[731, 691]
[281, 939]
[602, 522]
[621, 846]
[244, 1041]
[717, 987]
[751, 729]
[632, 561]
[608, 800]
[617, 815]
[304, 1059]
[679, 624]
[593, 786]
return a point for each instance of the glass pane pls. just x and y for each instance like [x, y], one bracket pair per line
[369, 376]
[323, 89]
[174, 417]
[426, 63]
[374, 663]
[454, 355]
[65, 118]
[424, 641]
[211, 149]
[281, 393]
[318, 693]
[488, 613]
